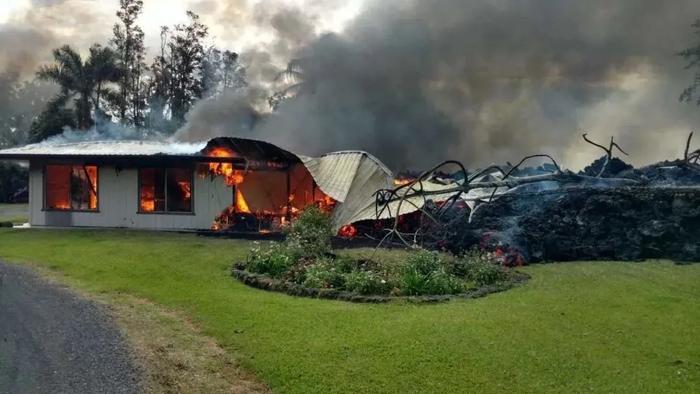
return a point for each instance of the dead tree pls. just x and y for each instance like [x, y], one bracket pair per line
[608, 152]
[691, 157]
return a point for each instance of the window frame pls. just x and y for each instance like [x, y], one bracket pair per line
[140, 211]
[44, 172]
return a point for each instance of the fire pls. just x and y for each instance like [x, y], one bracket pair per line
[325, 203]
[402, 181]
[241, 203]
[348, 231]
[186, 188]
[148, 202]
[91, 172]
[232, 176]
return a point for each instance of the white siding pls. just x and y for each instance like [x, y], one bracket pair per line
[118, 203]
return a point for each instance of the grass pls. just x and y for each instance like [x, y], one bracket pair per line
[588, 326]
[14, 213]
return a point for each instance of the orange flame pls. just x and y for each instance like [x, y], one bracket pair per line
[241, 203]
[232, 176]
[325, 203]
[148, 202]
[186, 188]
[91, 172]
[402, 181]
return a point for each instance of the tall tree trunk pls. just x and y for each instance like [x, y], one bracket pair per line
[83, 112]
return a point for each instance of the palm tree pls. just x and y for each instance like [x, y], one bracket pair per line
[83, 81]
[294, 83]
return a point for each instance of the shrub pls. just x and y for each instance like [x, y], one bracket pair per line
[425, 261]
[480, 268]
[441, 282]
[427, 272]
[323, 275]
[310, 234]
[366, 282]
[273, 259]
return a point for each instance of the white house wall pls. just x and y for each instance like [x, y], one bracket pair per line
[119, 202]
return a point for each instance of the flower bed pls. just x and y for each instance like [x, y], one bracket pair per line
[305, 265]
[265, 282]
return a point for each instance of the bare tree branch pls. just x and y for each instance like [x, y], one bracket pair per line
[608, 152]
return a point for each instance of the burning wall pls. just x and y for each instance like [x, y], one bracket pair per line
[266, 197]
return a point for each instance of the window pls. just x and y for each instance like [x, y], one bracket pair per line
[71, 187]
[165, 190]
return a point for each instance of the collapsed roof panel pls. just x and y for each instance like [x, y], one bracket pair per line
[350, 177]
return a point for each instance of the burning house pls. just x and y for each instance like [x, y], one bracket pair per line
[232, 184]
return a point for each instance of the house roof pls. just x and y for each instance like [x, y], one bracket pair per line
[245, 149]
[103, 148]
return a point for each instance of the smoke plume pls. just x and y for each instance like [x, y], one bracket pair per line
[415, 82]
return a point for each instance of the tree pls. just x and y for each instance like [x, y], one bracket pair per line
[160, 86]
[52, 120]
[186, 62]
[222, 72]
[294, 82]
[233, 74]
[129, 46]
[82, 81]
[181, 73]
[102, 68]
[692, 57]
[20, 104]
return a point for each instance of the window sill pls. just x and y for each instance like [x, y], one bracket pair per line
[166, 213]
[71, 210]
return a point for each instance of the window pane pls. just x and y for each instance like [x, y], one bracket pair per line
[83, 188]
[58, 187]
[92, 182]
[152, 190]
[179, 190]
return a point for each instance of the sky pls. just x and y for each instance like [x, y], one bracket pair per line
[29, 29]
[417, 81]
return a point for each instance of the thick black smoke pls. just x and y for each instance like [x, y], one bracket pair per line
[418, 81]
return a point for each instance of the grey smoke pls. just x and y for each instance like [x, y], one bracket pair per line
[415, 82]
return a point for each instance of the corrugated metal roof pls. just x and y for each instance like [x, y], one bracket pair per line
[106, 148]
[351, 178]
[252, 149]
[334, 174]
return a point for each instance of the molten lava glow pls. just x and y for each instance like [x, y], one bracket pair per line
[509, 257]
[347, 231]
[232, 176]
[241, 203]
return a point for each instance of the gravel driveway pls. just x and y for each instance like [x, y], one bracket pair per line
[52, 341]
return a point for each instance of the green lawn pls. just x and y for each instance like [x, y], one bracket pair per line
[604, 327]
[15, 213]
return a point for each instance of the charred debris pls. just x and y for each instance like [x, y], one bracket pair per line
[610, 210]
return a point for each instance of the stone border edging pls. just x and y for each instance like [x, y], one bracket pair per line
[264, 282]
